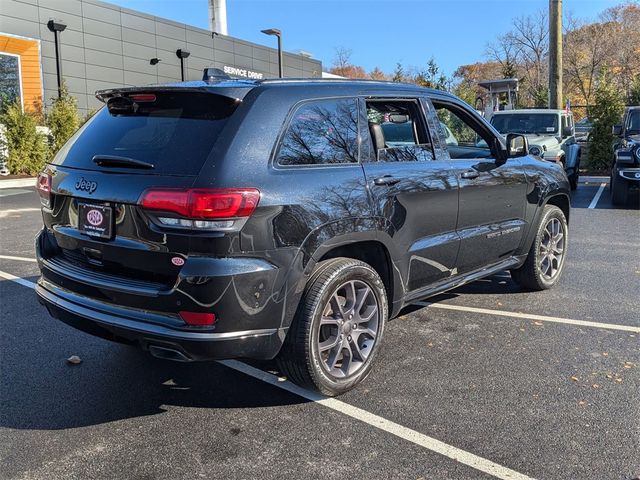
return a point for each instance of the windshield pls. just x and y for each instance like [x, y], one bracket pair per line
[633, 125]
[527, 123]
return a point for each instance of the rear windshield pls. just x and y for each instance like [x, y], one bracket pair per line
[173, 131]
[539, 123]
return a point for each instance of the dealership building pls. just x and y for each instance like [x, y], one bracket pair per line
[93, 45]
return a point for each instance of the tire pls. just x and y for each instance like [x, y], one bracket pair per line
[537, 272]
[619, 190]
[322, 320]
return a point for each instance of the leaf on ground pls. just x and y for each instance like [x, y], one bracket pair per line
[574, 378]
[538, 323]
[619, 380]
[629, 364]
[74, 360]
[582, 402]
[595, 385]
[605, 354]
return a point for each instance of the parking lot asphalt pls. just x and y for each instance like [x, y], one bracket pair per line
[511, 378]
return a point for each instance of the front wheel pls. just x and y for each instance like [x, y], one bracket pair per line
[545, 261]
[337, 329]
[619, 190]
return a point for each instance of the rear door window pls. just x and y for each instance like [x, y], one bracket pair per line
[322, 132]
[175, 132]
[397, 131]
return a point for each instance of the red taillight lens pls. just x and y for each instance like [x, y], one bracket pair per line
[43, 184]
[203, 203]
[143, 97]
[198, 319]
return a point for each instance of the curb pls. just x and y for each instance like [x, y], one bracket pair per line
[18, 182]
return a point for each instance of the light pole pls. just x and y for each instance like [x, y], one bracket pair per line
[57, 28]
[277, 33]
[181, 53]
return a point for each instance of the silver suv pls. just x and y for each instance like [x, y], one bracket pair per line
[551, 135]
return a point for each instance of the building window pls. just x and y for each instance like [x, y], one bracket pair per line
[10, 89]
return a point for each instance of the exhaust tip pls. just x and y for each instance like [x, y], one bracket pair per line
[167, 353]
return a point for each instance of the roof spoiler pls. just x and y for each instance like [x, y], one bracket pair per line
[233, 92]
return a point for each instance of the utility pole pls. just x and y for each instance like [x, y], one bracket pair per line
[555, 54]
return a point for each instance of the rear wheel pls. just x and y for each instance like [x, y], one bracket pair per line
[545, 260]
[337, 329]
[619, 190]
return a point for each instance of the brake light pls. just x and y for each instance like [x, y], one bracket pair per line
[143, 97]
[198, 319]
[203, 203]
[43, 184]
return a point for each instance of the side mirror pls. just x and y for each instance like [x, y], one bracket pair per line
[567, 131]
[517, 145]
[616, 130]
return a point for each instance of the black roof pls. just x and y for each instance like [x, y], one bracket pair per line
[238, 88]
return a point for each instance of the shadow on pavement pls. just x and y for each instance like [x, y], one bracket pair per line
[39, 390]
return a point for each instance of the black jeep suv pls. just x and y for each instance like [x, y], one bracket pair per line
[625, 169]
[286, 219]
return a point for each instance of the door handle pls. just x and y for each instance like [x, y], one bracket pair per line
[386, 180]
[469, 174]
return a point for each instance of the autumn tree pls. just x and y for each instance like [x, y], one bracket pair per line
[377, 74]
[343, 67]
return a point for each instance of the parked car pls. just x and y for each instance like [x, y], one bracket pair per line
[263, 219]
[625, 170]
[550, 133]
[583, 130]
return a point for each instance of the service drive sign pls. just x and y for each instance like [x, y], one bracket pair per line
[241, 72]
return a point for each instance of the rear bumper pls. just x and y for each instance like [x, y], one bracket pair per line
[240, 291]
[120, 324]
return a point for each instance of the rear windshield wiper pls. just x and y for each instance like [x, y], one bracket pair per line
[115, 161]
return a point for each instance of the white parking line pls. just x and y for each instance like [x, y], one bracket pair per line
[594, 202]
[14, 211]
[376, 421]
[424, 441]
[529, 316]
[13, 278]
[21, 259]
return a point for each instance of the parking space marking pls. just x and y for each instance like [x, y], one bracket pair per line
[19, 280]
[530, 316]
[597, 196]
[21, 259]
[417, 438]
[376, 421]
[6, 213]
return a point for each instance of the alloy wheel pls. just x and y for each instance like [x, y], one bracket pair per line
[552, 248]
[348, 328]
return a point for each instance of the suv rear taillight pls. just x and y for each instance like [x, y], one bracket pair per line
[203, 209]
[43, 184]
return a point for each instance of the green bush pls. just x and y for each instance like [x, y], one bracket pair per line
[62, 119]
[27, 148]
[607, 111]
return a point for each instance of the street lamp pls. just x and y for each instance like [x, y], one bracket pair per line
[57, 27]
[277, 33]
[182, 54]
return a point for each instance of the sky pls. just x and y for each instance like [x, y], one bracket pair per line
[378, 32]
